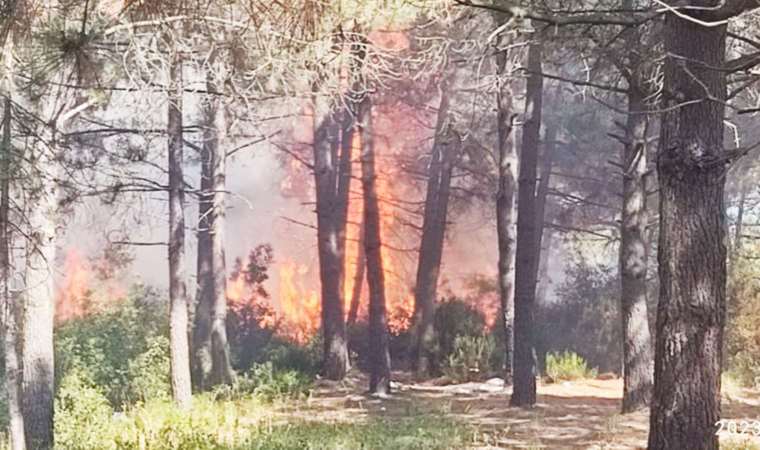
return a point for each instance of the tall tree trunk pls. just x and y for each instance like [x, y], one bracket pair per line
[691, 169]
[201, 349]
[343, 184]
[178, 314]
[380, 362]
[39, 311]
[358, 286]
[10, 314]
[431, 244]
[505, 213]
[336, 363]
[542, 196]
[211, 348]
[526, 258]
[637, 343]
[222, 372]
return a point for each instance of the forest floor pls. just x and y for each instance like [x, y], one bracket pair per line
[569, 415]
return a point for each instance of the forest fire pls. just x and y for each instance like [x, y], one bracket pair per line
[82, 288]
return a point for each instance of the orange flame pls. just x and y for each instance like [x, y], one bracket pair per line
[81, 291]
[300, 308]
[400, 302]
[72, 294]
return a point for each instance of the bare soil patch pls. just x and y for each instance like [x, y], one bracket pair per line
[581, 414]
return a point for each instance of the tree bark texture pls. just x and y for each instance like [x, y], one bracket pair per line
[526, 258]
[380, 360]
[445, 149]
[11, 311]
[39, 311]
[178, 303]
[358, 285]
[638, 358]
[329, 230]
[211, 348]
[691, 169]
[505, 213]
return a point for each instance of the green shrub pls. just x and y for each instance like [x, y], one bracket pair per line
[286, 355]
[742, 332]
[82, 412]
[149, 373]
[269, 383]
[116, 347]
[470, 359]
[454, 318]
[567, 366]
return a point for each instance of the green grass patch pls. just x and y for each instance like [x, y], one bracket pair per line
[249, 424]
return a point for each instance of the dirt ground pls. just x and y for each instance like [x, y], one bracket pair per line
[569, 415]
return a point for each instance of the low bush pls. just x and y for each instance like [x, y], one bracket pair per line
[265, 383]
[454, 318]
[470, 359]
[122, 349]
[743, 334]
[567, 366]
[82, 412]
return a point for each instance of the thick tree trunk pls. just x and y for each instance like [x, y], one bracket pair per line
[336, 363]
[526, 258]
[380, 360]
[10, 314]
[39, 313]
[211, 348]
[505, 214]
[445, 149]
[637, 343]
[691, 169]
[178, 314]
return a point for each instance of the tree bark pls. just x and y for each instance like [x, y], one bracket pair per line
[691, 169]
[526, 258]
[380, 363]
[211, 348]
[358, 286]
[202, 361]
[505, 213]
[637, 342]
[336, 363]
[178, 314]
[39, 312]
[444, 153]
[13, 372]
